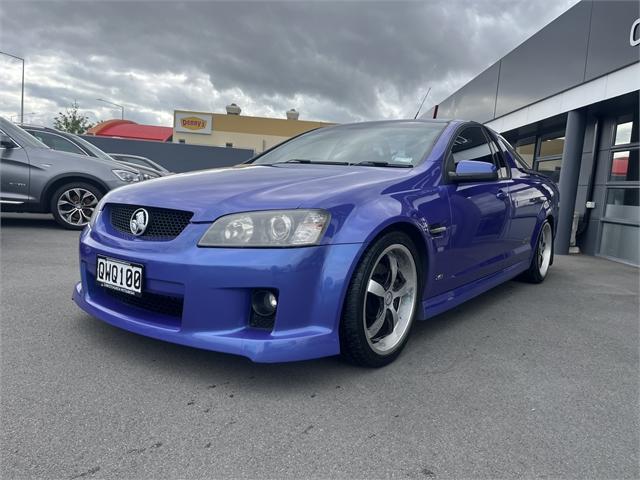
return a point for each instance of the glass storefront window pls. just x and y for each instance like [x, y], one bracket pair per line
[621, 241]
[552, 146]
[624, 166]
[623, 133]
[626, 130]
[527, 152]
[550, 168]
[623, 204]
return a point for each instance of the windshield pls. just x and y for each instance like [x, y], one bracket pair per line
[386, 143]
[91, 147]
[22, 138]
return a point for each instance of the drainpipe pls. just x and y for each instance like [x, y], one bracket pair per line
[569, 175]
[592, 177]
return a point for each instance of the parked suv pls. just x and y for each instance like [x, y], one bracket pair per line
[68, 142]
[35, 178]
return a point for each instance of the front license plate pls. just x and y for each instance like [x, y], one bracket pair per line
[119, 275]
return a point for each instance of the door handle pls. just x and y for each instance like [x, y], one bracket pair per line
[502, 195]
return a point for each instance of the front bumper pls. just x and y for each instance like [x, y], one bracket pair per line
[214, 286]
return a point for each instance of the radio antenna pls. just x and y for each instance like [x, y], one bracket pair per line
[423, 100]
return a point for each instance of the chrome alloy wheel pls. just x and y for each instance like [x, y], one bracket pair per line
[544, 249]
[390, 299]
[76, 206]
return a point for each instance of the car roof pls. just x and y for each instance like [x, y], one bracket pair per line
[41, 128]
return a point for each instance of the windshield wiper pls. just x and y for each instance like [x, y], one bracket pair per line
[372, 163]
[304, 160]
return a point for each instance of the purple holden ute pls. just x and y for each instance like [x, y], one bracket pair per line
[335, 241]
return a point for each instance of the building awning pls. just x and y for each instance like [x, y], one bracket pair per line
[133, 130]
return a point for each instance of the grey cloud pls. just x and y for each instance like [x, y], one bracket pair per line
[334, 56]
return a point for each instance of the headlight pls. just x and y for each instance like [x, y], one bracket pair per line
[272, 228]
[149, 176]
[96, 211]
[127, 175]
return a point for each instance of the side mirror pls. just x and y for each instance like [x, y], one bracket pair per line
[474, 171]
[6, 142]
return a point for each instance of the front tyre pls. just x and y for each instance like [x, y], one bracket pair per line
[73, 204]
[381, 302]
[542, 255]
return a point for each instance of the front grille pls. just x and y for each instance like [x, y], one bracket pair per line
[164, 223]
[152, 302]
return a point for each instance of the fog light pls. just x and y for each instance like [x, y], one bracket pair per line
[264, 302]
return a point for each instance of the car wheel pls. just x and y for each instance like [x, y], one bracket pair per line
[381, 302]
[542, 257]
[73, 204]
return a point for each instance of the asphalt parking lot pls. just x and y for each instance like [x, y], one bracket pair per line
[524, 381]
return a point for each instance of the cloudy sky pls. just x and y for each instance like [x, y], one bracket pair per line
[333, 61]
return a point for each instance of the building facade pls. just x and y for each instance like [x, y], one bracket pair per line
[568, 100]
[237, 131]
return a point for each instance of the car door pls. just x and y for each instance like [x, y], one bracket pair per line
[528, 198]
[14, 174]
[480, 212]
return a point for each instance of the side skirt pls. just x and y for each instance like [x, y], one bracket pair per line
[445, 301]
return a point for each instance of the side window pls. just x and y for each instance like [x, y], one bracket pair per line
[56, 142]
[504, 171]
[470, 144]
[519, 161]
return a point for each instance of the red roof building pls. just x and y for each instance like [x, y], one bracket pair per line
[132, 130]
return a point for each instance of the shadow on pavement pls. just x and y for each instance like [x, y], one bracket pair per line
[26, 220]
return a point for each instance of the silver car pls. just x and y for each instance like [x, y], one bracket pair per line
[36, 179]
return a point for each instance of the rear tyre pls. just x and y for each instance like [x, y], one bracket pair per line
[542, 256]
[381, 302]
[73, 204]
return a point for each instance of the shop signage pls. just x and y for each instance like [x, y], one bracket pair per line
[193, 122]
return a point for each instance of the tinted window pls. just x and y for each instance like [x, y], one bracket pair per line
[499, 156]
[623, 203]
[625, 166]
[471, 144]
[56, 142]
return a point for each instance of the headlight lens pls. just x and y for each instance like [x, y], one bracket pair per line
[272, 228]
[96, 211]
[127, 175]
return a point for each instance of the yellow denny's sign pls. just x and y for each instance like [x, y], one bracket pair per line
[192, 122]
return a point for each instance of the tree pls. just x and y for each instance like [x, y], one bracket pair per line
[72, 121]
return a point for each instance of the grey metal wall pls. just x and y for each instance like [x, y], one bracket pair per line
[589, 40]
[177, 157]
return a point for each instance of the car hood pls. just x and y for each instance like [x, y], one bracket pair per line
[213, 193]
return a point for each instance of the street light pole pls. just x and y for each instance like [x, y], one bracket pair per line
[22, 90]
[114, 104]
